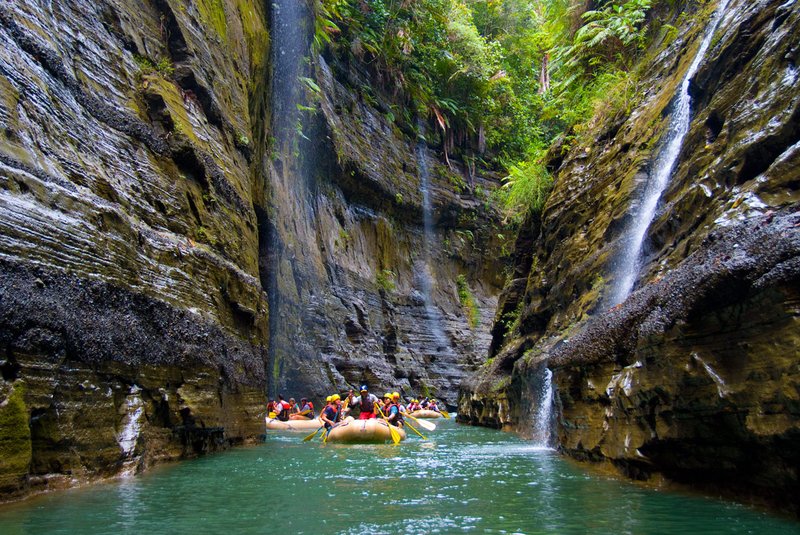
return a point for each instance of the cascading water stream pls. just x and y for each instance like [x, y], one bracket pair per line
[543, 417]
[629, 262]
[426, 278]
[131, 429]
[291, 214]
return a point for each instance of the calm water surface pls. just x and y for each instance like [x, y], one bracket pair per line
[464, 479]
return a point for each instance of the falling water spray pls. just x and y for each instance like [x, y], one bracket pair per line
[629, 261]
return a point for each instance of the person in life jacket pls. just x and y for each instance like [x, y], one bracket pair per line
[271, 409]
[413, 406]
[365, 403]
[395, 410]
[432, 406]
[305, 410]
[329, 414]
[282, 408]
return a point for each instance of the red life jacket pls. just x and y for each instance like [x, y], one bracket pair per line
[283, 410]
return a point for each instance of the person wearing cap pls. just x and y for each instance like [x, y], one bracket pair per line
[394, 410]
[330, 413]
[396, 399]
[365, 402]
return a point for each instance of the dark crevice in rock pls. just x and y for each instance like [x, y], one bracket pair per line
[194, 90]
[715, 122]
[193, 208]
[171, 32]
[760, 156]
[111, 22]
[190, 165]
[9, 368]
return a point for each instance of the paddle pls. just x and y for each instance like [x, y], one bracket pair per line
[309, 437]
[392, 431]
[417, 432]
[430, 426]
[444, 413]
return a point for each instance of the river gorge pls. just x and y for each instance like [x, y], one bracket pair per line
[205, 203]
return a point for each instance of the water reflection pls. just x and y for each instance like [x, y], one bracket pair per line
[466, 480]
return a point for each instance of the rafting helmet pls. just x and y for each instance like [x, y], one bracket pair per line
[387, 395]
[328, 399]
[336, 397]
[395, 395]
[364, 388]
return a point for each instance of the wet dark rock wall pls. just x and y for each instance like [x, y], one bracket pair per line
[348, 255]
[694, 378]
[133, 326]
[151, 221]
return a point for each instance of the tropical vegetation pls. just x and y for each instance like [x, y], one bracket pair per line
[497, 81]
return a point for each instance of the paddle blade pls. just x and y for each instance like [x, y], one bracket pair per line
[445, 414]
[395, 434]
[309, 437]
[430, 426]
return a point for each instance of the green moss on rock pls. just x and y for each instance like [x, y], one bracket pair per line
[15, 441]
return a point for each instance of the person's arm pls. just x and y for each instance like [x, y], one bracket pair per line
[350, 404]
[324, 416]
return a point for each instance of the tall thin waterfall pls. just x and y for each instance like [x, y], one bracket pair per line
[543, 416]
[629, 262]
[290, 48]
[289, 219]
[426, 278]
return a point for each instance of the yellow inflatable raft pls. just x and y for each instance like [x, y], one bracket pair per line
[293, 425]
[424, 413]
[372, 431]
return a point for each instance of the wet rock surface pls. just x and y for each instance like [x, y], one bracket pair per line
[167, 259]
[693, 378]
[346, 256]
[133, 325]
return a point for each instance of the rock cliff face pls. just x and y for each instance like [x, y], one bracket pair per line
[694, 377]
[149, 219]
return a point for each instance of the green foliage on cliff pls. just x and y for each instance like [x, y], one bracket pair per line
[468, 301]
[502, 79]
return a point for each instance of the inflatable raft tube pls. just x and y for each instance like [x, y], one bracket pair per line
[424, 413]
[371, 431]
[293, 425]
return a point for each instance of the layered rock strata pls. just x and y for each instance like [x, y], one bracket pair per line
[693, 378]
[150, 216]
[133, 325]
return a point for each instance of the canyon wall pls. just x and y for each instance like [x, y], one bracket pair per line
[149, 220]
[695, 377]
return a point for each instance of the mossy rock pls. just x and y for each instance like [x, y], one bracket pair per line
[15, 439]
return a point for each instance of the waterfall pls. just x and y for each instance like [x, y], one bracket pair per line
[288, 222]
[290, 47]
[131, 429]
[426, 278]
[543, 416]
[629, 262]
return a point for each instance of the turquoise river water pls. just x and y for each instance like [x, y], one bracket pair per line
[464, 479]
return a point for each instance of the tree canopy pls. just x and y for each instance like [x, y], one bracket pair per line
[499, 80]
